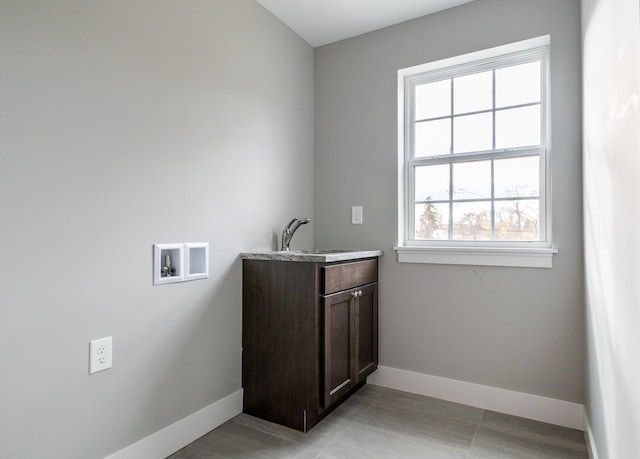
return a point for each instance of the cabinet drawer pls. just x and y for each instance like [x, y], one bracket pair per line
[348, 275]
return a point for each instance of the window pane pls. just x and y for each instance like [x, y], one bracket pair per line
[518, 127]
[473, 93]
[517, 177]
[432, 183]
[432, 221]
[433, 100]
[472, 180]
[433, 138]
[518, 84]
[472, 133]
[472, 221]
[517, 220]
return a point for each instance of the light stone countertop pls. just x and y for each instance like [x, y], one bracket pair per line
[312, 255]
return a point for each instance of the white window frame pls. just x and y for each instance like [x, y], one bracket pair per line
[490, 253]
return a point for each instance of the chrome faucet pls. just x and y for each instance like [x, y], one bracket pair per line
[291, 228]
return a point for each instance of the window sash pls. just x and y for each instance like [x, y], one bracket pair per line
[466, 158]
[410, 162]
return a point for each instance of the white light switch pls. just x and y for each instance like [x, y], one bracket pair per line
[356, 215]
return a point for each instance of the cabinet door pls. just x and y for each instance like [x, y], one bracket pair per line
[338, 329]
[366, 331]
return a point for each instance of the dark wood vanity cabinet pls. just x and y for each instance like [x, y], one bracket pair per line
[309, 336]
[349, 327]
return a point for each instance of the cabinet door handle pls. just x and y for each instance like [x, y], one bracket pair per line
[354, 294]
[359, 292]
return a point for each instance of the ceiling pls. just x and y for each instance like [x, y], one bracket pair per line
[321, 22]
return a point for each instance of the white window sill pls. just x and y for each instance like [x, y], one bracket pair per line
[478, 256]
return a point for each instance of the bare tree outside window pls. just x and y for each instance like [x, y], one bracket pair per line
[430, 224]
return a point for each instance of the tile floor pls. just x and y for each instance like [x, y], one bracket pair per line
[383, 423]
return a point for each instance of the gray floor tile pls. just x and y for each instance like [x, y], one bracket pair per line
[539, 431]
[236, 440]
[370, 392]
[365, 441]
[351, 408]
[269, 428]
[432, 406]
[417, 425]
[323, 433]
[184, 453]
[383, 423]
[495, 444]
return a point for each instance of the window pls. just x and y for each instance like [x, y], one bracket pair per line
[474, 158]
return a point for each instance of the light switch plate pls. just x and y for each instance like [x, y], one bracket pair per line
[356, 215]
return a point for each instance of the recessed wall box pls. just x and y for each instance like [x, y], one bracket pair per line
[168, 263]
[196, 263]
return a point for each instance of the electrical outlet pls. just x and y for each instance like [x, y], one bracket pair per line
[100, 354]
[356, 215]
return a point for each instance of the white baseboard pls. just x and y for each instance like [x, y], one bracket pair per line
[179, 434]
[592, 451]
[552, 411]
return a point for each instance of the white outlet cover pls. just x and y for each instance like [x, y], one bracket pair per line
[100, 354]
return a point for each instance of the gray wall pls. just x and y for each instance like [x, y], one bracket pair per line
[124, 124]
[611, 49]
[513, 328]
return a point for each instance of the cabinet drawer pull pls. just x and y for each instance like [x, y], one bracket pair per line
[348, 381]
